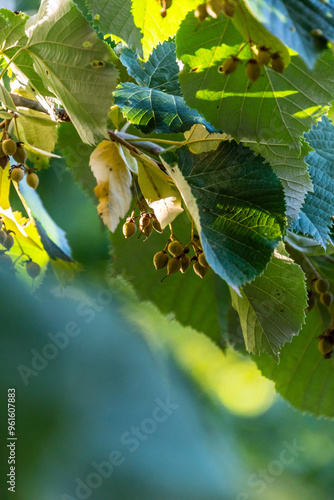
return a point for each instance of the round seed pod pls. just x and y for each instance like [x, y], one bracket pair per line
[175, 248]
[9, 147]
[321, 285]
[199, 270]
[202, 260]
[33, 269]
[173, 266]
[277, 63]
[32, 180]
[129, 228]
[325, 346]
[20, 154]
[3, 237]
[228, 8]
[185, 263]
[201, 12]
[160, 260]
[263, 56]
[5, 260]
[17, 174]
[326, 299]
[229, 65]
[9, 241]
[253, 69]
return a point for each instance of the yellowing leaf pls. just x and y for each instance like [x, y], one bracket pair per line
[199, 133]
[159, 191]
[4, 187]
[110, 165]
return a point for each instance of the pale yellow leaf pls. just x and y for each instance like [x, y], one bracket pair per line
[110, 169]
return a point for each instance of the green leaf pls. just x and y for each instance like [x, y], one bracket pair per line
[295, 21]
[77, 156]
[237, 204]
[74, 64]
[151, 109]
[199, 140]
[41, 135]
[199, 303]
[155, 29]
[13, 39]
[53, 237]
[271, 308]
[160, 72]
[315, 217]
[278, 107]
[6, 99]
[303, 376]
[291, 168]
[116, 21]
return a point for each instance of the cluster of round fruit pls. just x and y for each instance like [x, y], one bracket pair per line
[17, 173]
[165, 4]
[178, 260]
[7, 241]
[147, 222]
[321, 287]
[326, 343]
[253, 65]
[8, 148]
[213, 8]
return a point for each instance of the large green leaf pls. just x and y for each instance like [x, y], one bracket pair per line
[160, 72]
[291, 168]
[315, 217]
[303, 25]
[303, 376]
[237, 204]
[151, 109]
[74, 64]
[154, 27]
[278, 107]
[115, 19]
[271, 308]
[199, 303]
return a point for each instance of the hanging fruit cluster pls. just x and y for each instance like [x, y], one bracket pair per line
[8, 147]
[261, 57]
[147, 222]
[175, 257]
[213, 8]
[6, 242]
[326, 343]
